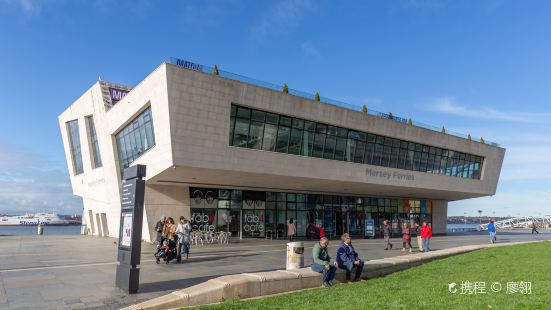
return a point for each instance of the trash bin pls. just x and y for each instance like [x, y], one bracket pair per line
[295, 255]
[40, 230]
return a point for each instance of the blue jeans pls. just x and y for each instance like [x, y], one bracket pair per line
[426, 244]
[326, 275]
[492, 235]
[348, 266]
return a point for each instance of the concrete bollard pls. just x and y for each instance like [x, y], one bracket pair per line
[295, 255]
[40, 230]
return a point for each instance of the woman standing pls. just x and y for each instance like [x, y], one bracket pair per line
[291, 229]
[183, 231]
[406, 237]
[169, 229]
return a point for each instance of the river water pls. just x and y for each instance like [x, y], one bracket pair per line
[32, 230]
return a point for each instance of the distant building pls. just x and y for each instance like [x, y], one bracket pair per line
[235, 156]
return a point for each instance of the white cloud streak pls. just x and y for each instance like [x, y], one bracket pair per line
[281, 18]
[448, 105]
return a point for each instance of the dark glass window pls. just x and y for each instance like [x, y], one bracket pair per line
[255, 135]
[295, 142]
[282, 144]
[74, 143]
[272, 132]
[269, 141]
[94, 145]
[136, 138]
[241, 132]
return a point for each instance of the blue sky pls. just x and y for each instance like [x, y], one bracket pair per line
[479, 67]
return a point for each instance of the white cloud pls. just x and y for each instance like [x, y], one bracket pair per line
[448, 105]
[281, 18]
[29, 183]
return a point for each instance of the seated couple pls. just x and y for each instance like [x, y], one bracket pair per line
[347, 259]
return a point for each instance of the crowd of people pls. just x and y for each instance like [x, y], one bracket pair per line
[172, 240]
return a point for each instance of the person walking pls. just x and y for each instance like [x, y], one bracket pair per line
[291, 229]
[323, 263]
[418, 236]
[534, 230]
[426, 234]
[386, 233]
[183, 231]
[492, 231]
[159, 230]
[348, 259]
[406, 237]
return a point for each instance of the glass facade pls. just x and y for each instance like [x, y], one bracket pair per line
[74, 143]
[250, 128]
[135, 139]
[93, 140]
[255, 213]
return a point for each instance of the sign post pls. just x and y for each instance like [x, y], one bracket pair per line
[369, 228]
[130, 233]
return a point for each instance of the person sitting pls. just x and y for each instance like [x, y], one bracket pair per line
[163, 250]
[348, 259]
[323, 263]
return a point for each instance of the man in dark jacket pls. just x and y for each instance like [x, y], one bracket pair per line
[348, 259]
[386, 233]
[159, 229]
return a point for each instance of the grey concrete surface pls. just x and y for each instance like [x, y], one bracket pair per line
[77, 272]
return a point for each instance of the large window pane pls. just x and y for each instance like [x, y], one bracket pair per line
[135, 139]
[255, 135]
[74, 143]
[329, 149]
[319, 143]
[241, 132]
[295, 142]
[307, 143]
[359, 152]
[93, 140]
[282, 144]
[340, 148]
[269, 141]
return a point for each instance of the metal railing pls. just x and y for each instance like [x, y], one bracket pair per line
[520, 222]
[299, 93]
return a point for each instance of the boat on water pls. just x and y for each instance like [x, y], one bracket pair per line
[33, 220]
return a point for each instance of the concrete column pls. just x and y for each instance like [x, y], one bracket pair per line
[168, 200]
[439, 216]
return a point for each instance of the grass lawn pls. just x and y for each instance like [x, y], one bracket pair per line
[426, 286]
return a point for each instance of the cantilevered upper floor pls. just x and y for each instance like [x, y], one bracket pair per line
[195, 128]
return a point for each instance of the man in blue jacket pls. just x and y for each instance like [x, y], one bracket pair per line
[492, 231]
[348, 259]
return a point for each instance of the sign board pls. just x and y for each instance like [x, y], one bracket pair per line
[117, 94]
[126, 231]
[130, 233]
[369, 228]
[188, 64]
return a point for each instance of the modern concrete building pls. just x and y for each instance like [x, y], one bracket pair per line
[234, 155]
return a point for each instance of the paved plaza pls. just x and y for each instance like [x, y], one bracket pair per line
[77, 272]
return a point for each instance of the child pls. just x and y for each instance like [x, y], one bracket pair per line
[162, 250]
